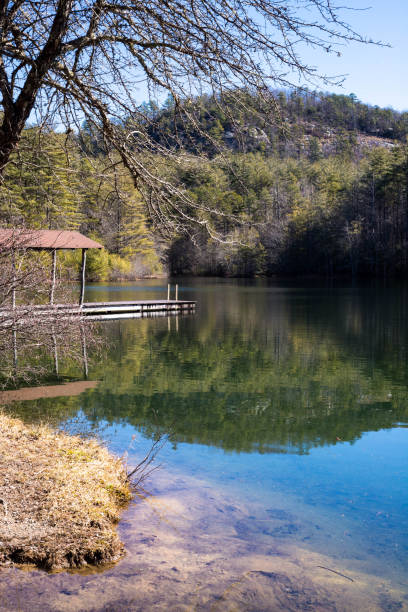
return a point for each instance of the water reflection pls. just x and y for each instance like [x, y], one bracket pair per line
[287, 410]
[259, 369]
[25, 394]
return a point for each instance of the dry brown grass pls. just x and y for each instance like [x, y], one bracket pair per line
[60, 497]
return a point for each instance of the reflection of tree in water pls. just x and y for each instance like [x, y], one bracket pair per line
[45, 351]
[282, 371]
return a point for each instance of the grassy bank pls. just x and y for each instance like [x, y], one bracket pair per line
[60, 498]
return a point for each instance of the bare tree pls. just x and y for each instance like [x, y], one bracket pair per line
[71, 60]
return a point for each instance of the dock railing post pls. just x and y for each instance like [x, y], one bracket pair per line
[168, 292]
[176, 293]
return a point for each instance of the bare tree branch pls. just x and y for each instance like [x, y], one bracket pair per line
[71, 60]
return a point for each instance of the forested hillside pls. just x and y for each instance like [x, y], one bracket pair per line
[287, 123]
[303, 183]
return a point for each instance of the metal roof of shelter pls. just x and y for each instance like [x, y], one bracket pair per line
[46, 239]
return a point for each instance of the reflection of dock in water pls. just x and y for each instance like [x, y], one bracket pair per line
[34, 393]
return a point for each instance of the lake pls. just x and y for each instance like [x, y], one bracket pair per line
[282, 482]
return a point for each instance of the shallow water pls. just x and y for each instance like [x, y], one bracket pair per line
[283, 483]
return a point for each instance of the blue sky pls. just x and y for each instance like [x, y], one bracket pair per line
[376, 75]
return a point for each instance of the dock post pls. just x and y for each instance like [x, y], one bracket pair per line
[81, 297]
[176, 293]
[168, 292]
[53, 275]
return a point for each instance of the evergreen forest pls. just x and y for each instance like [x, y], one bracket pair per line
[292, 183]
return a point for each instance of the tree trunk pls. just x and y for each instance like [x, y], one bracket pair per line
[16, 113]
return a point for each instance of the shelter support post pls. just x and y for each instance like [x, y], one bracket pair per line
[13, 289]
[53, 275]
[15, 357]
[84, 352]
[83, 266]
[55, 351]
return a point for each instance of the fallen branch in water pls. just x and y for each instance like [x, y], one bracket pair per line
[335, 572]
[144, 468]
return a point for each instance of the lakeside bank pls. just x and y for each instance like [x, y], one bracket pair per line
[60, 498]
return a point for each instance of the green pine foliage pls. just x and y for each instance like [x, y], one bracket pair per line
[52, 183]
[295, 183]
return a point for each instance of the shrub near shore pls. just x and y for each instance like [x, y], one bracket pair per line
[60, 498]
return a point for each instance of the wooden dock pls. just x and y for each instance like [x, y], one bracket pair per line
[139, 308]
[104, 310]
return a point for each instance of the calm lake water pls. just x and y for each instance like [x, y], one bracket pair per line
[283, 484]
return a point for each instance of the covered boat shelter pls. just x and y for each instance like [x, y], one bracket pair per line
[12, 240]
[49, 240]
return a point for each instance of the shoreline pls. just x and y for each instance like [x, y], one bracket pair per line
[60, 498]
[201, 558]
